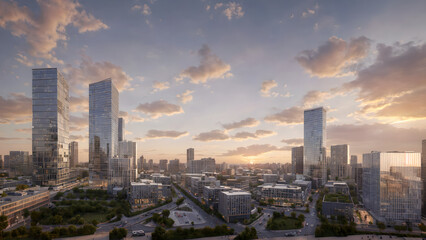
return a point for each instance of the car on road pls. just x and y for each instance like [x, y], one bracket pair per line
[138, 233]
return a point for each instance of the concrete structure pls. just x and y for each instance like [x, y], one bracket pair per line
[189, 159]
[121, 173]
[211, 194]
[103, 128]
[234, 205]
[305, 185]
[160, 178]
[392, 186]
[19, 164]
[282, 194]
[50, 127]
[314, 148]
[270, 178]
[297, 160]
[163, 165]
[198, 184]
[73, 154]
[13, 206]
[353, 166]
[121, 129]
[202, 165]
[243, 184]
[173, 167]
[339, 160]
[129, 149]
[146, 193]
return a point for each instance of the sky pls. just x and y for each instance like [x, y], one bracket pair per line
[228, 78]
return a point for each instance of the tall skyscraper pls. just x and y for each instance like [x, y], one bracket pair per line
[392, 186]
[424, 176]
[354, 162]
[121, 129]
[73, 154]
[163, 165]
[297, 160]
[50, 133]
[314, 154]
[103, 128]
[339, 161]
[1, 162]
[128, 149]
[173, 166]
[189, 158]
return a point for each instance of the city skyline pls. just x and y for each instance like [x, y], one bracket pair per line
[229, 79]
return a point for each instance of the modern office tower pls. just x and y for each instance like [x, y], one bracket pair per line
[50, 132]
[163, 165]
[120, 174]
[354, 162]
[19, 163]
[73, 154]
[121, 129]
[103, 128]
[141, 163]
[1, 162]
[297, 160]
[339, 161]
[6, 162]
[314, 155]
[189, 158]
[128, 149]
[392, 186]
[150, 164]
[424, 177]
[234, 205]
[174, 166]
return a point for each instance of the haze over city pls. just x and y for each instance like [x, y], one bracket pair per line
[230, 79]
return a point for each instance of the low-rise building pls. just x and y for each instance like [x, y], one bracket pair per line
[13, 206]
[282, 194]
[270, 178]
[160, 178]
[305, 185]
[198, 184]
[146, 193]
[211, 194]
[234, 205]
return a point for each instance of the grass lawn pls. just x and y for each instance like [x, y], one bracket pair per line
[89, 217]
[283, 223]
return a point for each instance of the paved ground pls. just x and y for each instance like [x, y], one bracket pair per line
[184, 218]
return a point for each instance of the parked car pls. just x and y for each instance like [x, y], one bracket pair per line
[138, 233]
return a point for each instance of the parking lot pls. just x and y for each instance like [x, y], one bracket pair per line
[183, 218]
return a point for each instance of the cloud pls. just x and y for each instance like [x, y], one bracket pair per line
[256, 135]
[233, 9]
[289, 116]
[252, 150]
[315, 97]
[159, 108]
[44, 28]
[145, 9]
[13, 138]
[78, 123]
[334, 58]
[365, 138]
[214, 135]
[15, 109]
[24, 130]
[248, 122]
[218, 5]
[78, 138]
[211, 67]
[185, 97]
[165, 134]
[293, 141]
[267, 86]
[130, 117]
[394, 85]
[89, 72]
[79, 104]
[23, 59]
[160, 86]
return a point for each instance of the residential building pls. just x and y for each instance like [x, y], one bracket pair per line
[142, 164]
[392, 186]
[211, 194]
[1, 162]
[234, 205]
[297, 160]
[121, 174]
[160, 178]
[147, 193]
[337, 201]
[202, 165]
[13, 205]
[270, 178]
[339, 161]
[314, 149]
[189, 159]
[281, 194]
[129, 149]
[73, 154]
[198, 184]
[50, 127]
[121, 129]
[103, 128]
[173, 166]
[163, 165]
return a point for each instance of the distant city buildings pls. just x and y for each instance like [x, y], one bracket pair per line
[234, 205]
[50, 127]
[121, 129]
[121, 174]
[189, 159]
[297, 160]
[173, 167]
[314, 152]
[353, 166]
[339, 160]
[423, 164]
[392, 186]
[163, 165]
[202, 165]
[270, 178]
[129, 149]
[103, 128]
[19, 164]
[73, 154]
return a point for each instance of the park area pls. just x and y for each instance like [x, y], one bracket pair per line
[280, 221]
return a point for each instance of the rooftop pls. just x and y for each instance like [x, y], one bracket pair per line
[237, 193]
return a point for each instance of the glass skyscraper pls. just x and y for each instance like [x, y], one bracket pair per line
[103, 128]
[50, 133]
[392, 186]
[314, 154]
[121, 129]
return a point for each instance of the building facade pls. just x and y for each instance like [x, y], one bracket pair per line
[146, 193]
[163, 165]
[173, 166]
[121, 174]
[424, 177]
[73, 154]
[19, 164]
[121, 129]
[234, 205]
[129, 149]
[392, 186]
[339, 160]
[50, 132]
[189, 159]
[297, 160]
[282, 194]
[103, 128]
[314, 153]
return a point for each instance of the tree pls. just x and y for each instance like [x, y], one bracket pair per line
[4, 194]
[293, 214]
[35, 217]
[180, 201]
[165, 213]
[84, 174]
[270, 201]
[259, 210]
[247, 234]
[20, 187]
[159, 234]
[310, 199]
[117, 234]
[3, 223]
[35, 232]
[301, 217]
[26, 213]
